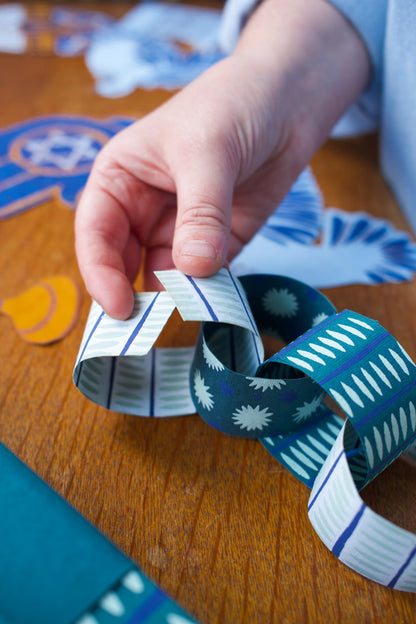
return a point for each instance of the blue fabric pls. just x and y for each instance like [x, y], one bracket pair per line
[388, 29]
[369, 18]
[398, 125]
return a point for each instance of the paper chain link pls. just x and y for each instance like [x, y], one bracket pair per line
[281, 400]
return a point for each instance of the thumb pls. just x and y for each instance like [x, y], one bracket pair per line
[203, 222]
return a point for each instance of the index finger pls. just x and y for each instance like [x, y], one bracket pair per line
[102, 238]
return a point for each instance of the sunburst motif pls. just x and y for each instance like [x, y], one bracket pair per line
[202, 393]
[319, 318]
[263, 384]
[280, 302]
[250, 418]
[305, 411]
[210, 358]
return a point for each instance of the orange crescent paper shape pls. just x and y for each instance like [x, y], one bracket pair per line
[45, 312]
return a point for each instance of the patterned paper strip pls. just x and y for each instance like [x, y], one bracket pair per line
[281, 400]
[49, 157]
[135, 600]
[360, 538]
[70, 572]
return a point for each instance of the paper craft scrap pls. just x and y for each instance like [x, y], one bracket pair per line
[155, 45]
[47, 311]
[46, 29]
[281, 400]
[49, 157]
[353, 247]
[297, 219]
[74, 28]
[12, 36]
[70, 572]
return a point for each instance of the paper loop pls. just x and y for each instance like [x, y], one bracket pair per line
[372, 379]
[226, 387]
[281, 400]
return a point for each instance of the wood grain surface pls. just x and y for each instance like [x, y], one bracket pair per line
[214, 520]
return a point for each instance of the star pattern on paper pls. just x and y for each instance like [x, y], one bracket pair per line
[202, 393]
[61, 150]
[280, 302]
[264, 384]
[250, 418]
[305, 411]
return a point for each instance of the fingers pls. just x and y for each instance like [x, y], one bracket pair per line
[202, 232]
[102, 235]
[163, 185]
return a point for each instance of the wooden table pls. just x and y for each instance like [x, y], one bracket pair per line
[214, 520]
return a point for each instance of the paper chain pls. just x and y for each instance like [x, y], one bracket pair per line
[281, 400]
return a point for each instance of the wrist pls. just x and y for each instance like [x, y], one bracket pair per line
[312, 65]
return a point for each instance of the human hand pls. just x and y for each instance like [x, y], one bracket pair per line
[191, 183]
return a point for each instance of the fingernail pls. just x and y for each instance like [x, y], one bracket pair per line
[199, 249]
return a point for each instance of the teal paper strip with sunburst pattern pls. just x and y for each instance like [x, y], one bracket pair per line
[281, 401]
[369, 375]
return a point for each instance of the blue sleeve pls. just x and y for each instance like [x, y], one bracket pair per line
[369, 18]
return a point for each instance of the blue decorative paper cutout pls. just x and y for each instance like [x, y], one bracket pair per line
[327, 247]
[384, 253]
[69, 30]
[12, 21]
[298, 218]
[75, 28]
[155, 45]
[121, 63]
[49, 156]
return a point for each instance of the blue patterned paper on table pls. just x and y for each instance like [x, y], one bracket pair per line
[75, 28]
[49, 157]
[141, 50]
[298, 218]
[121, 63]
[327, 247]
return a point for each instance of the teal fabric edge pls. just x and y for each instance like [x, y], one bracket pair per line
[54, 564]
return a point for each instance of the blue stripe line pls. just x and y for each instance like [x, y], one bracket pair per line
[356, 358]
[152, 384]
[111, 381]
[148, 608]
[299, 433]
[97, 322]
[243, 303]
[367, 417]
[203, 298]
[354, 452]
[139, 325]
[232, 348]
[255, 331]
[403, 568]
[345, 536]
[324, 482]
[309, 333]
